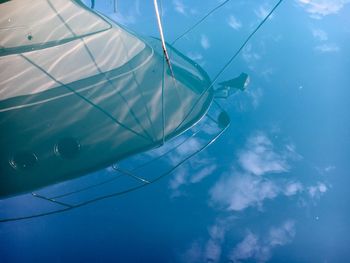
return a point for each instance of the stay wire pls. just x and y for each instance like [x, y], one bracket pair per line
[199, 21]
[228, 63]
[245, 43]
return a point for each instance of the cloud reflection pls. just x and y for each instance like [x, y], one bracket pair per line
[234, 22]
[252, 182]
[253, 247]
[320, 8]
[210, 249]
[327, 48]
[236, 193]
[249, 186]
[262, 12]
[179, 7]
[259, 157]
[194, 171]
[317, 190]
[260, 248]
[320, 34]
[205, 42]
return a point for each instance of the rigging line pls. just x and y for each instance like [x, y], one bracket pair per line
[142, 185]
[99, 70]
[244, 43]
[165, 153]
[84, 98]
[51, 200]
[199, 22]
[138, 178]
[228, 63]
[160, 28]
[113, 178]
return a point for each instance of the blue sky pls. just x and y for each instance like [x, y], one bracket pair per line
[273, 187]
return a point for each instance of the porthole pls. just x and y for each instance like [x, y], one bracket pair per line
[23, 161]
[67, 148]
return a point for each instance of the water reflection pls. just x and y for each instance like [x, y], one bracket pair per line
[261, 175]
[277, 194]
[319, 9]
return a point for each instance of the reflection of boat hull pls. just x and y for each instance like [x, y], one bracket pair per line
[79, 125]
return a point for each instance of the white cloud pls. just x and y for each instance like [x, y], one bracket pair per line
[248, 248]
[194, 253]
[205, 42]
[327, 48]
[262, 12]
[179, 7]
[279, 236]
[256, 96]
[292, 188]
[241, 190]
[210, 249]
[326, 169]
[329, 168]
[192, 172]
[189, 146]
[260, 249]
[179, 178]
[195, 56]
[249, 55]
[320, 34]
[208, 170]
[320, 8]
[259, 157]
[267, 73]
[322, 37]
[317, 190]
[236, 193]
[234, 22]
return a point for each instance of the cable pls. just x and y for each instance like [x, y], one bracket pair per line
[245, 42]
[199, 22]
[230, 61]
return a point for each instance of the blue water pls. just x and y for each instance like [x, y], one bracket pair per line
[273, 188]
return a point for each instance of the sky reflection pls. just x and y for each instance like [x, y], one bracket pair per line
[273, 188]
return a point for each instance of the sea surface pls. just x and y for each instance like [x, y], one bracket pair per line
[273, 188]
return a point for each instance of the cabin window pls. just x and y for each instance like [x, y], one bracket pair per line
[23, 160]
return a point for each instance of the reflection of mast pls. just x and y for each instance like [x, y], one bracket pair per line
[162, 38]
